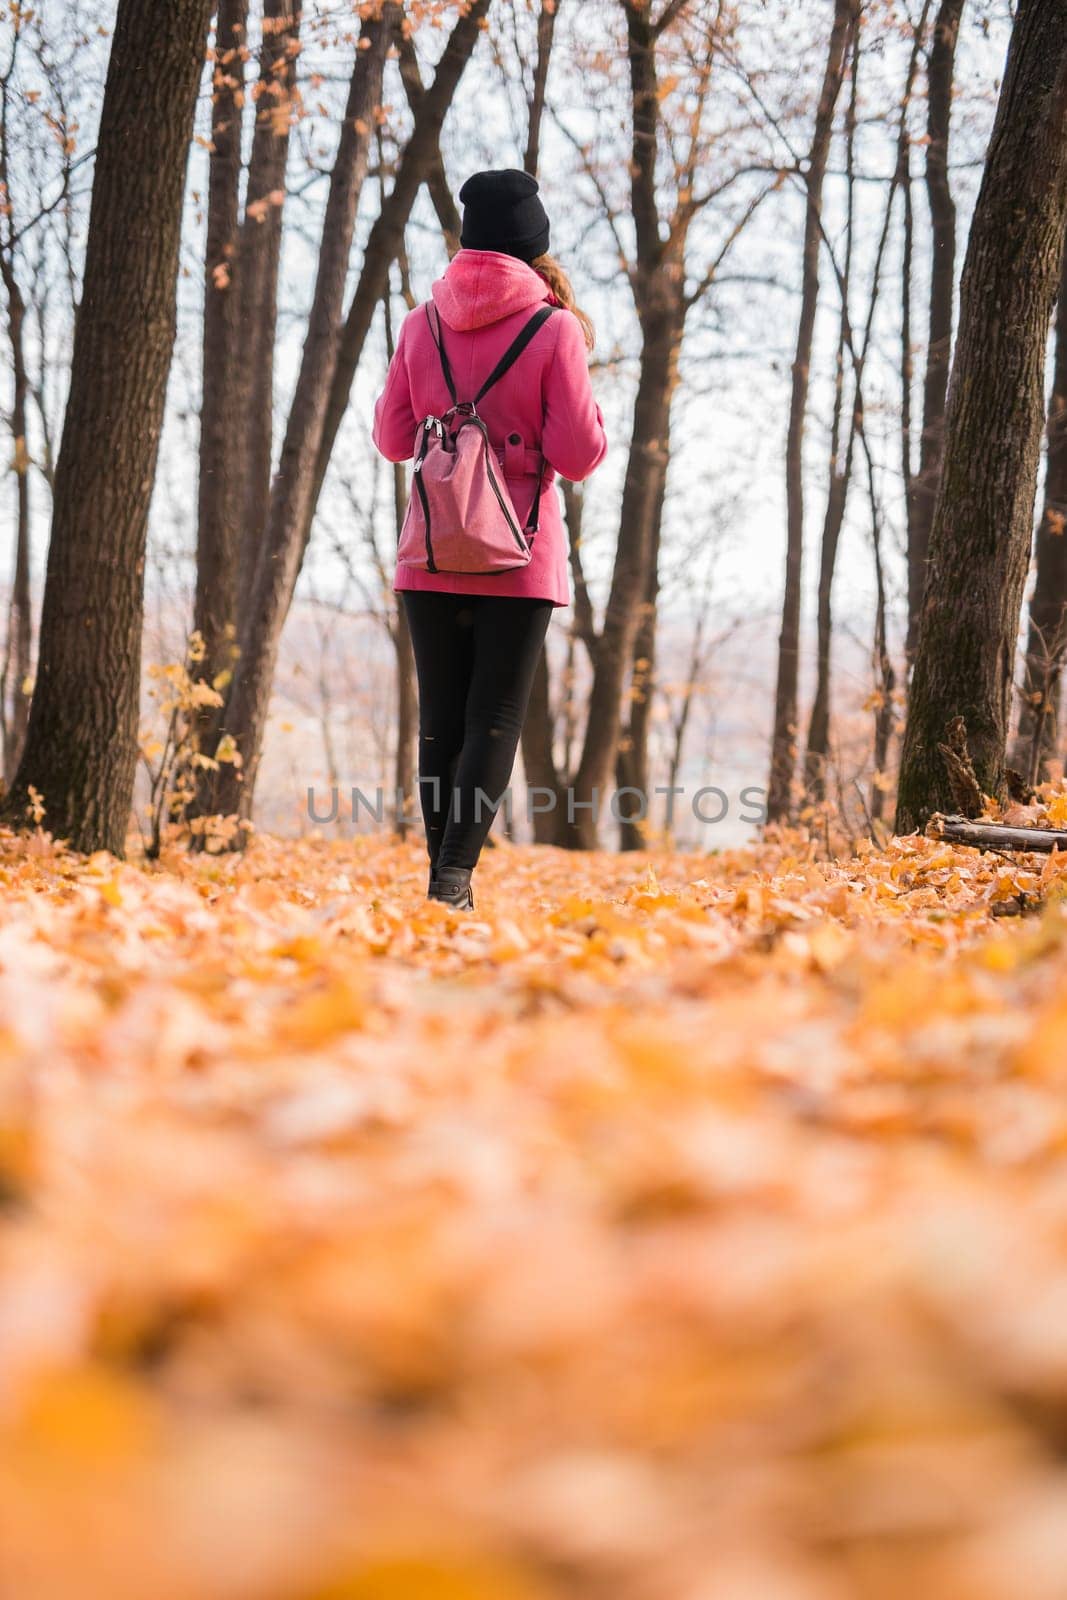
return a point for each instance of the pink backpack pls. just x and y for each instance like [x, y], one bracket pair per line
[460, 516]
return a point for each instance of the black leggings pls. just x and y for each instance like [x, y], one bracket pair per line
[475, 656]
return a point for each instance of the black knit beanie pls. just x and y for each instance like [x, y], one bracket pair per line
[502, 211]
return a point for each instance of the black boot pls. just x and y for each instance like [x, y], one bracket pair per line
[452, 886]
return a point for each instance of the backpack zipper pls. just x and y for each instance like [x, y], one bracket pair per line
[516, 532]
[431, 425]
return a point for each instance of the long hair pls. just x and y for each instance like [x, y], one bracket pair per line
[549, 268]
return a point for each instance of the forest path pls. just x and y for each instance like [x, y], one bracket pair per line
[674, 1228]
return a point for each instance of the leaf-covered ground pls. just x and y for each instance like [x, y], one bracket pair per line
[674, 1228]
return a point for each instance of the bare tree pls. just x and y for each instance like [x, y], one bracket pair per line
[842, 455]
[663, 298]
[784, 734]
[331, 355]
[980, 541]
[220, 510]
[280, 557]
[923, 487]
[38, 162]
[80, 752]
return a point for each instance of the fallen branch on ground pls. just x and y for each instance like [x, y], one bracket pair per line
[996, 835]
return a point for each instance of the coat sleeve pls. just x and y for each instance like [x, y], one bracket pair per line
[394, 416]
[573, 439]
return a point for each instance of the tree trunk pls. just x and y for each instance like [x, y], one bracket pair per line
[386, 237]
[18, 656]
[258, 256]
[907, 258]
[436, 177]
[631, 766]
[923, 488]
[407, 699]
[658, 286]
[884, 711]
[18, 647]
[221, 509]
[818, 750]
[817, 754]
[980, 540]
[680, 728]
[279, 560]
[81, 743]
[407, 723]
[538, 731]
[646, 470]
[1039, 710]
[540, 728]
[546, 28]
[538, 760]
[326, 375]
[783, 738]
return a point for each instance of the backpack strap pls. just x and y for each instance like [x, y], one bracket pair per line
[514, 350]
[439, 340]
[507, 360]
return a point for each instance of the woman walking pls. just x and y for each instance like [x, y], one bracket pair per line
[489, 391]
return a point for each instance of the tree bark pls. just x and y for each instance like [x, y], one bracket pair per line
[980, 540]
[258, 257]
[784, 735]
[923, 487]
[436, 178]
[546, 28]
[14, 710]
[407, 699]
[280, 559]
[538, 758]
[632, 762]
[81, 743]
[645, 470]
[220, 510]
[1039, 710]
[885, 681]
[407, 723]
[18, 648]
[540, 728]
[817, 754]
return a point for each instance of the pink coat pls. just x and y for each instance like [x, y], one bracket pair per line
[543, 405]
